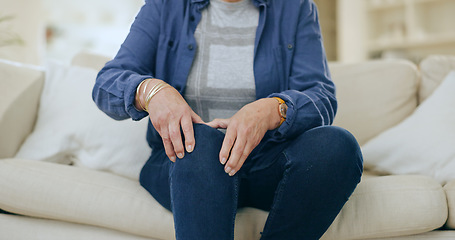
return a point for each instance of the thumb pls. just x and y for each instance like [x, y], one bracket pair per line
[219, 123]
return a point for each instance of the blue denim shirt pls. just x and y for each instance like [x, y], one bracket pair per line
[289, 61]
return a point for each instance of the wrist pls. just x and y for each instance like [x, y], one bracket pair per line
[282, 110]
[272, 117]
[142, 91]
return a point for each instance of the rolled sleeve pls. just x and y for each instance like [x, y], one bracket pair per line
[115, 88]
[311, 101]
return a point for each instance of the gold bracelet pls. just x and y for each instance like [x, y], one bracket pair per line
[146, 84]
[152, 91]
[137, 93]
[155, 89]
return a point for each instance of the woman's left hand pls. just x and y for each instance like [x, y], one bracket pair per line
[245, 130]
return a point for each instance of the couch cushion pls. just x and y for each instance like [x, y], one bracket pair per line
[434, 235]
[450, 192]
[90, 60]
[79, 195]
[391, 206]
[379, 207]
[70, 127]
[374, 96]
[433, 70]
[421, 144]
[20, 88]
[26, 228]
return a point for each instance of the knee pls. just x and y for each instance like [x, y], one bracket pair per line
[205, 155]
[335, 149]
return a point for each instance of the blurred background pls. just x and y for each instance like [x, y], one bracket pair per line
[353, 30]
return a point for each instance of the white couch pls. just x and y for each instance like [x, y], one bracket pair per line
[57, 201]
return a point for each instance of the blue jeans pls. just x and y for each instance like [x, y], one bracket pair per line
[303, 183]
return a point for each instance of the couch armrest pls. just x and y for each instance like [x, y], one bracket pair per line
[20, 90]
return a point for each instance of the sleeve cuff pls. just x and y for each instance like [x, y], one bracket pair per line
[130, 95]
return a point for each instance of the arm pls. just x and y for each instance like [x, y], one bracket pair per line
[311, 101]
[115, 87]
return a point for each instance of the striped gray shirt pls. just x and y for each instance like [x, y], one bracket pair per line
[221, 80]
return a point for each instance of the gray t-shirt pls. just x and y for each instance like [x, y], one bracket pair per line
[221, 80]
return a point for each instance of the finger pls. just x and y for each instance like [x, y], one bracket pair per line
[219, 123]
[214, 124]
[169, 149]
[188, 133]
[228, 142]
[195, 118]
[246, 152]
[236, 155]
[176, 138]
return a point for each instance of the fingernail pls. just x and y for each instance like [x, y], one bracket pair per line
[180, 155]
[172, 159]
[223, 161]
[232, 173]
[228, 170]
[189, 148]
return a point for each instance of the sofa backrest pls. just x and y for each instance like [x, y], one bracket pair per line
[20, 90]
[433, 70]
[374, 96]
[90, 60]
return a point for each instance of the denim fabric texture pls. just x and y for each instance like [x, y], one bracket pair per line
[304, 186]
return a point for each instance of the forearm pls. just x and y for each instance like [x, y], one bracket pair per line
[114, 93]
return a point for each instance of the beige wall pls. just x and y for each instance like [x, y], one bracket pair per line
[351, 24]
[28, 24]
[328, 20]
[97, 26]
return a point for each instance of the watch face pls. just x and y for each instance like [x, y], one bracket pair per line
[283, 110]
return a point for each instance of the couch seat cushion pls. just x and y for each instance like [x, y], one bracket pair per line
[434, 235]
[389, 206]
[379, 207]
[86, 196]
[12, 227]
[450, 192]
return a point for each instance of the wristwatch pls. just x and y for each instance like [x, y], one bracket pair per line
[282, 109]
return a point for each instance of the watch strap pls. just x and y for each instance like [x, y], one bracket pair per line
[281, 103]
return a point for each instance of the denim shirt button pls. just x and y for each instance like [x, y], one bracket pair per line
[190, 46]
[192, 18]
[290, 46]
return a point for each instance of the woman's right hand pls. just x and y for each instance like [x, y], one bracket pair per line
[169, 113]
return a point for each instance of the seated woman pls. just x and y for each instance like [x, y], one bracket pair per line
[257, 69]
